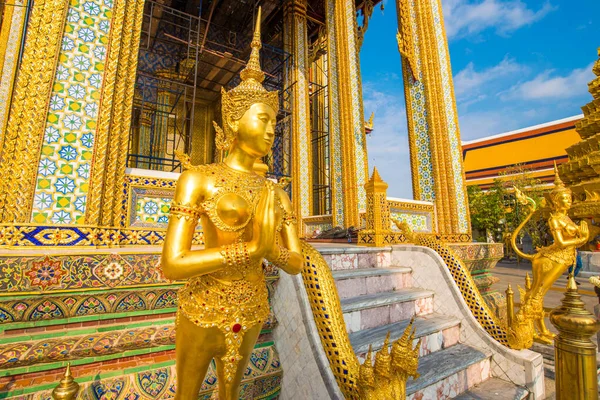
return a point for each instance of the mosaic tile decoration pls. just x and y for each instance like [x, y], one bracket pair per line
[67, 149]
[334, 115]
[146, 201]
[262, 380]
[451, 118]
[77, 344]
[81, 271]
[150, 207]
[418, 222]
[304, 133]
[13, 45]
[52, 307]
[419, 215]
[49, 273]
[360, 147]
[419, 120]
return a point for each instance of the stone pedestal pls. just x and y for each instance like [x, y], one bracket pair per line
[480, 259]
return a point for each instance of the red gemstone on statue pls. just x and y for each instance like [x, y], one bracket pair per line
[236, 328]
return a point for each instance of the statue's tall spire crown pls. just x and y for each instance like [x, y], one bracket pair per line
[237, 101]
[253, 70]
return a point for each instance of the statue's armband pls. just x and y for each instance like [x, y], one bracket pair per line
[190, 213]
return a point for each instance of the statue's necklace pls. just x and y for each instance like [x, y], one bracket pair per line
[235, 194]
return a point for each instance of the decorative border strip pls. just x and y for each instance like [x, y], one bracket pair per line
[262, 380]
[30, 274]
[34, 235]
[46, 308]
[413, 206]
[133, 182]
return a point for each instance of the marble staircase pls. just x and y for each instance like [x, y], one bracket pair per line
[376, 300]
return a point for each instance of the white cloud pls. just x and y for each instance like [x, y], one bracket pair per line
[548, 85]
[467, 17]
[387, 146]
[468, 82]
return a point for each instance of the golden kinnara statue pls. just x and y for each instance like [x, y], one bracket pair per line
[246, 218]
[548, 264]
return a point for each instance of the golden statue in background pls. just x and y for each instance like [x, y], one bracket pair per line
[549, 263]
[246, 218]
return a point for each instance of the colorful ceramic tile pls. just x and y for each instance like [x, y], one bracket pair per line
[65, 162]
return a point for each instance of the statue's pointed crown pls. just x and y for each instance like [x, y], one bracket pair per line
[559, 186]
[250, 91]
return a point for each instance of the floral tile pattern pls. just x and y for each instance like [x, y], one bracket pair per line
[152, 210]
[423, 167]
[451, 118]
[418, 222]
[65, 162]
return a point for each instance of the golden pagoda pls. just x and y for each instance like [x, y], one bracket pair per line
[582, 172]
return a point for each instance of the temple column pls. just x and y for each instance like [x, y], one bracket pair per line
[24, 134]
[161, 118]
[65, 146]
[11, 35]
[201, 151]
[347, 134]
[145, 132]
[296, 43]
[434, 136]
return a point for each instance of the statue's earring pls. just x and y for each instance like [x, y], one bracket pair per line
[222, 140]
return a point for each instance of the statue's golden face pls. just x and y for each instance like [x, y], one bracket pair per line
[563, 200]
[256, 130]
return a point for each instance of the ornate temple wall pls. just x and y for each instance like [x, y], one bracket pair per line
[434, 136]
[11, 36]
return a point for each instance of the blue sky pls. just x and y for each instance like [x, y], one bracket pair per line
[515, 63]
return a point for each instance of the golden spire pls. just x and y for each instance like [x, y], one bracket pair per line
[237, 101]
[67, 388]
[557, 181]
[252, 70]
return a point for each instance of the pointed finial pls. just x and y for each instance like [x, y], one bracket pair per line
[369, 357]
[386, 343]
[67, 388]
[557, 181]
[252, 70]
[571, 284]
[527, 281]
[376, 177]
[509, 289]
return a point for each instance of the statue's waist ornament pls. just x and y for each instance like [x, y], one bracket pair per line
[231, 306]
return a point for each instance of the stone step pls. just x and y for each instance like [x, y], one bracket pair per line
[448, 373]
[357, 282]
[495, 389]
[436, 332]
[372, 310]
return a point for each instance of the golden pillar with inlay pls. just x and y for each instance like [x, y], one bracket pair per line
[347, 132]
[296, 43]
[434, 137]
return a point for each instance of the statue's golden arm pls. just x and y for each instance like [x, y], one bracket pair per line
[582, 238]
[289, 236]
[179, 261]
